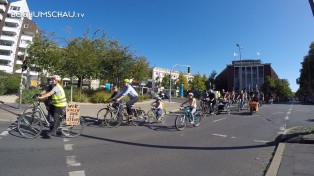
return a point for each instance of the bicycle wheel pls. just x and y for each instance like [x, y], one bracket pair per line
[197, 119]
[113, 118]
[138, 119]
[101, 116]
[71, 130]
[162, 117]
[180, 122]
[29, 125]
[151, 117]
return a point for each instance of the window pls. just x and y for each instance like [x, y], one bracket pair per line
[26, 25]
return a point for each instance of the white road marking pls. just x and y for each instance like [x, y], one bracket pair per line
[288, 112]
[286, 118]
[277, 112]
[4, 133]
[220, 135]
[77, 173]
[66, 139]
[71, 161]
[233, 137]
[219, 120]
[282, 128]
[261, 141]
[68, 147]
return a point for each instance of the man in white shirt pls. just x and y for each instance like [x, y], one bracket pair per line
[129, 91]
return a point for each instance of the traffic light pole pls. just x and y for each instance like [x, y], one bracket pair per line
[21, 82]
[171, 77]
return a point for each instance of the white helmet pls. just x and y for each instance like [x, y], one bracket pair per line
[56, 77]
[191, 94]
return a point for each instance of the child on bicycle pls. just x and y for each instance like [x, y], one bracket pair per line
[158, 107]
[192, 102]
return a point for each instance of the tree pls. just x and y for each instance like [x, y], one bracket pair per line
[198, 84]
[268, 87]
[182, 80]
[44, 53]
[165, 82]
[306, 80]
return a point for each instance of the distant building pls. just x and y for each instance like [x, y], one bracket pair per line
[254, 73]
[16, 33]
[159, 73]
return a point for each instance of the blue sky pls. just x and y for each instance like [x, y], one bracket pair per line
[199, 33]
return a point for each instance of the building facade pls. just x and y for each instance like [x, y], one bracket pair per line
[159, 73]
[245, 75]
[16, 33]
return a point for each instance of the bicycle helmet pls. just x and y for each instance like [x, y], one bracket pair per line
[158, 98]
[191, 94]
[126, 81]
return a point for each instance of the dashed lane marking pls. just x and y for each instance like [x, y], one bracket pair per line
[220, 135]
[77, 173]
[4, 133]
[66, 139]
[219, 120]
[286, 118]
[261, 141]
[71, 161]
[68, 147]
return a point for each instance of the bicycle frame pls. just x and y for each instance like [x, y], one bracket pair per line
[37, 108]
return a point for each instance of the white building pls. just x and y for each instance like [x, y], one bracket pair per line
[160, 73]
[16, 33]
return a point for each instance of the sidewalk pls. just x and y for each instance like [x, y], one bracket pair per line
[295, 154]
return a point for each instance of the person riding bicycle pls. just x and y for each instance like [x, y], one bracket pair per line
[59, 102]
[128, 90]
[241, 97]
[158, 107]
[192, 102]
[212, 101]
[115, 93]
[48, 101]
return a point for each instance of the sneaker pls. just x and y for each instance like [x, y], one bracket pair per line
[192, 122]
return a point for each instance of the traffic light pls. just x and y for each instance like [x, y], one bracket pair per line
[24, 66]
[188, 69]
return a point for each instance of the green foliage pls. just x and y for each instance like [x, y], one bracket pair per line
[100, 97]
[9, 83]
[306, 79]
[165, 82]
[144, 97]
[28, 96]
[183, 80]
[198, 83]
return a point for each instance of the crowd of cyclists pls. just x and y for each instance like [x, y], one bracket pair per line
[55, 100]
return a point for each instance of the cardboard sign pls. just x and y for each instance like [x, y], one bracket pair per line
[73, 114]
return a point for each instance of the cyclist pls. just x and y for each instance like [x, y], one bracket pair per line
[58, 102]
[158, 107]
[115, 92]
[212, 101]
[48, 101]
[192, 102]
[128, 90]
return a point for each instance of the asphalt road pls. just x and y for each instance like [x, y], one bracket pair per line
[223, 145]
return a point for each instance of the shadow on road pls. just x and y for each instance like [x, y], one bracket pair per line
[268, 144]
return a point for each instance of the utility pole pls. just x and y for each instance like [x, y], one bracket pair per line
[21, 82]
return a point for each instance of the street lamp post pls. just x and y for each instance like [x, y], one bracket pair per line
[171, 78]
[240, 72]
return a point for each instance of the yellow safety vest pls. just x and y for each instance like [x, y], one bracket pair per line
[59, 101]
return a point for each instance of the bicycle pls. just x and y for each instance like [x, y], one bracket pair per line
[205, 106]
[34, 119]
[183, 119]
[152, 116]
[114, 117]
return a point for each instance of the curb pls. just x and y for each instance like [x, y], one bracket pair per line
[275, 163]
